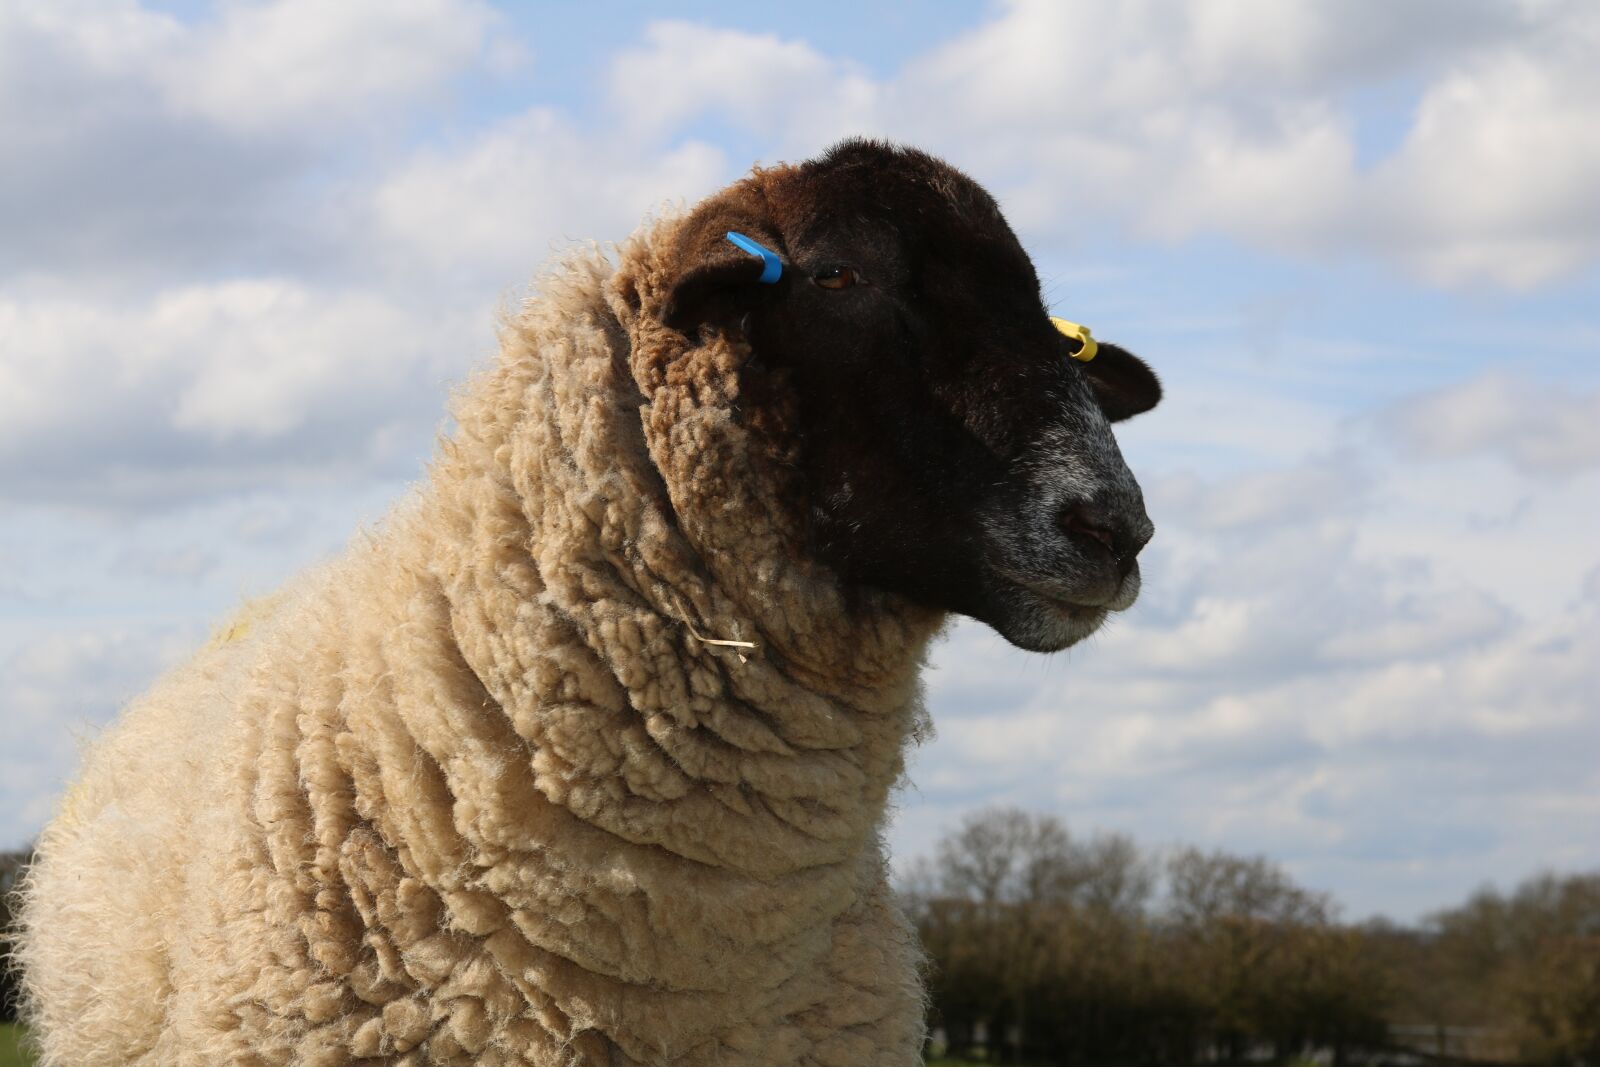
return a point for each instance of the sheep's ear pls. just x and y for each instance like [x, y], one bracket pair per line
[721, 286]
[1123, 383]
[718, 278]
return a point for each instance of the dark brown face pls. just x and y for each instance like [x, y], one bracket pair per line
[951, 449]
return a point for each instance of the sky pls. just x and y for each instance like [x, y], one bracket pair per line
[247, 250]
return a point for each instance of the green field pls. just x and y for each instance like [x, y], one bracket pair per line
[11, 1054]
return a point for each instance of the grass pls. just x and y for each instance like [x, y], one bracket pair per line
[11, 1053]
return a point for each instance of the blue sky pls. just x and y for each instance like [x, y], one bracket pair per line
[251, 246]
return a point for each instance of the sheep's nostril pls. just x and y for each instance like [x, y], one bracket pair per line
[1122, 540]
[1079, 522]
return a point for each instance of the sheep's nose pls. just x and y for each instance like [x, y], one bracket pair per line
[1121, 533]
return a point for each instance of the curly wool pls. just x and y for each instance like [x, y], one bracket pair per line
[478, 793]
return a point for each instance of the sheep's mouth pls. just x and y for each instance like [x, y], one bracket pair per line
[1072, 609]
[1049, 578]
[1041, 620]
[1120, 597]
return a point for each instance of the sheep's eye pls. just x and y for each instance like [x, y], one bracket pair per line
[835, 278]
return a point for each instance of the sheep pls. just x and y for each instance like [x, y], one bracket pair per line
[582, 757]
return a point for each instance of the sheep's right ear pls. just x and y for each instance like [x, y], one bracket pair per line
[1123, 383]
[722, 282]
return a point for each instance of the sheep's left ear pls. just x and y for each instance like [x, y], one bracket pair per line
[718, 279]
[1123, 383]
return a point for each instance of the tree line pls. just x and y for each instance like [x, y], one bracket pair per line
[1047, 949]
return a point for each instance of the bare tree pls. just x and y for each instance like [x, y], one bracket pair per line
[1059, 950]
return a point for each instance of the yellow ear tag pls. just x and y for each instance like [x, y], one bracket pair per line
[1079, 334]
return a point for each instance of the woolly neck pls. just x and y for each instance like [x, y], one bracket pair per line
[602, 504]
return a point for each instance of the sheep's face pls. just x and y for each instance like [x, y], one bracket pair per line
[951, 448]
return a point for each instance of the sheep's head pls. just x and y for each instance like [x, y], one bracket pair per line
[950, 448]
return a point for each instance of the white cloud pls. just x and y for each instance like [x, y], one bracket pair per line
[759, 81]
[271, 352]
[292, 63]
[1539, 427]
[1249, 133]
[65, 38]
[232, 384]
[254, 65]
[493, 209]
[1411, 626]
[1231, 118]
[94, 163]
[1496, 178]
[142, 147]
[1334, 484]
[1257, 185]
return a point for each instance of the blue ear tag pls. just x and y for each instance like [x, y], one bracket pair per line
[771, 265]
